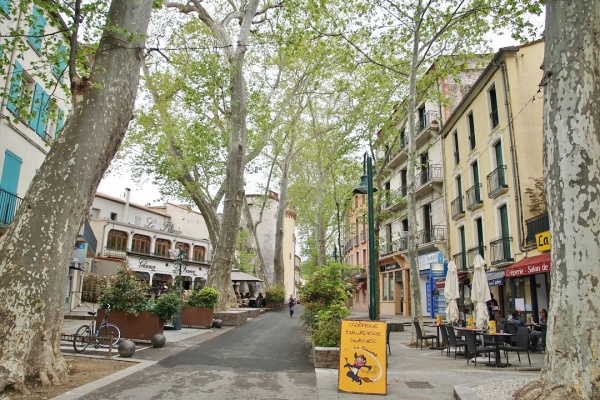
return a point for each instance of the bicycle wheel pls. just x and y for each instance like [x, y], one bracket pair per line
[106, 332]
[82, 338]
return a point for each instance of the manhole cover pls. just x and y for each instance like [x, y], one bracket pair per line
[419, 385]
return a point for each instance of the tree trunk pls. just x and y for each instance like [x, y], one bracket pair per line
[572, 151]
[37, 248]
[283, 187]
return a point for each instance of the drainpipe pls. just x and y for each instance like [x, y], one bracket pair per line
[516, 178]
[126, 208]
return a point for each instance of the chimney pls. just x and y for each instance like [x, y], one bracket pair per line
[126, 208]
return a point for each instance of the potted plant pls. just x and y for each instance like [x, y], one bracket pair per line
[199, 310]
[131, 310]
[275, 296]
[168, 306]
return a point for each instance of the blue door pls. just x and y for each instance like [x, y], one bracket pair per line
[8, 187]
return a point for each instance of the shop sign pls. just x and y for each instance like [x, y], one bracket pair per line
[543, 241]
[391, 266]
[437, 270]
[363, 357]
[426, 259]
[496, 282]
[143, 263]
[527, 269]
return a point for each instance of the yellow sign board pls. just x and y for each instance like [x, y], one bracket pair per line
[363, 357]
[543, 241]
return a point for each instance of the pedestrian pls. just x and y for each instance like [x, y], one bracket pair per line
[291, 303]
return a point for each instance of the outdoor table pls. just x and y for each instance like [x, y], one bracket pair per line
[439, 347]
[497, 336]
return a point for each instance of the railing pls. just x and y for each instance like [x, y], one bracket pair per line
[474, 196]
[460, 259]
[473, 251]
[536, 225]
[403, 243]
[457, 207]
[434, 234]
[501, 251]
[9, 204]
[114, 252]
[496, 180]
[433, 172]
[424, 122]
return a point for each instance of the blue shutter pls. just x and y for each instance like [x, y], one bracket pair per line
[43, 119]
[36, 105]
[4, 6]
[15, 88]
[59, 68]
[8, 185]
[60, 121]
[36, 30]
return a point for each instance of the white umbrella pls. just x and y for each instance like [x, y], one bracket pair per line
[480, 293]
[451, 292]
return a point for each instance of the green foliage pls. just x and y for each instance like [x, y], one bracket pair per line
[127, 293]
[328, 324]
[205, 297]
[275, 294]
[168, 306]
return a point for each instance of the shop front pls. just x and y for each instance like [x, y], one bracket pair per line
[527, 286]
[390, 301]
[426, 261]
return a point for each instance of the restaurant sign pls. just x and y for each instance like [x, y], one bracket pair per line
[363, 357]
[532, 268]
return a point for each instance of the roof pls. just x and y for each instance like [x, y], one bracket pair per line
[237, 275]
[141, 207]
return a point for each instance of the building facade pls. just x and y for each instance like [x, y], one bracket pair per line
[492, 147]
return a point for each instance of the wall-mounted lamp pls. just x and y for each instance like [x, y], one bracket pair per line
[154, 236]
[131, 232]
[167, 264]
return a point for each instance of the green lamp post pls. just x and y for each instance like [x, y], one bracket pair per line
[366, 187]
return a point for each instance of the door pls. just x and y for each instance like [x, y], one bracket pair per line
[8, 187]
[499, 163]
[475, 167]
[505, 233]
[427, 234]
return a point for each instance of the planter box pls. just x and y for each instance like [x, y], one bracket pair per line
[135, 327]
[197, 316]
[326, 357]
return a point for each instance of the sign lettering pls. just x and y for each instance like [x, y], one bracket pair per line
[543, 241]
[143, 263]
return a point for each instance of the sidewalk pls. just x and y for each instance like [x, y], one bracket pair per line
[412, 373]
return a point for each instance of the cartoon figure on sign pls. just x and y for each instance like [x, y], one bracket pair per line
[360, 361]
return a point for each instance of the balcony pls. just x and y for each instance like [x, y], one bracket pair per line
[474, 197]
[114, 253]
[398, 199]
[458, 211]
[426, 128]
[497, 182]
[460, 259]
[401, 155]
[427, 179]
[9, 204]
[536, 225]
[403, 242]
[428, 237]
[501, 251]
[472, 252]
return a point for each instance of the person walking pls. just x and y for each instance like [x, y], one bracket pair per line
[291, 303]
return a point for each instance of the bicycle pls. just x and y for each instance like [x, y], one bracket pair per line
[86, 335]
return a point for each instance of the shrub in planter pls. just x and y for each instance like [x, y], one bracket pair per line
[168, 306]
[326, 331]
[205, 297]
[275, 294]
[127, 293]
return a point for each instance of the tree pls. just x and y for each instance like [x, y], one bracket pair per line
[35, 252]
[571, 152]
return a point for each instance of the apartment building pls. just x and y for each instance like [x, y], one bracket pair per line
[356, 249]
[492, 147]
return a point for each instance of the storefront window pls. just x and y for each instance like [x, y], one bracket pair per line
[391, 279]
[384, 292]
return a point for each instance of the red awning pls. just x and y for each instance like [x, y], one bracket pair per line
[529, 266]
[362, 286]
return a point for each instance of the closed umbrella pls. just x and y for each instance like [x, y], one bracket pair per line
[451, 293]
[480, 293]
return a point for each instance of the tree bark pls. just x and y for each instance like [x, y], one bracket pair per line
[36, 250]
[571, 153]
[283, 188]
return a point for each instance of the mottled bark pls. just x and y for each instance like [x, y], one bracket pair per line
[571, 367]
[279, 226]
[36, 250]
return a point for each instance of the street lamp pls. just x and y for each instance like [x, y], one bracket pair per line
[178, 255]
[366, 187]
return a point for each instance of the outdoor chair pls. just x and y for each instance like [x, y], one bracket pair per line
[245, 302]
[421, 336]
[473, 350]
[453, 341]
[522, 344]
[445, 343]
[388, 330]
[512, 329]
[542, 340]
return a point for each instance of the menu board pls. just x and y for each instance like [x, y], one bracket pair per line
[363, 357]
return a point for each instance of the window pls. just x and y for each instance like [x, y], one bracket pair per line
[364, 257]
[161, 248]
[36, 29]
[117, 240]
[4, 6]
[456, 153]
[199, 253]
[60, 66]
[141, 244]
[39, 112]
[421, 119]
[494, 118]
[113, 216]
[184, 247]
[384, 292]
[21, 86]
[357, 258]
[387, 293]
[9, 183]
[471, 123]
[94, 213]
[463, 248]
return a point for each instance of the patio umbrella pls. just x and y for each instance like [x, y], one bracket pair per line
[480, 293]
[451, 293]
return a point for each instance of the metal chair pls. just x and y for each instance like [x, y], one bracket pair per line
[453, 341]
[473, 350]
[445, 342]
[422, 337]
[522, 344]
[388, 330]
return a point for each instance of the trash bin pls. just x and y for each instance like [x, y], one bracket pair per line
[177, 322]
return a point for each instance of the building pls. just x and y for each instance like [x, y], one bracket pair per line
[492, 147]
[431, 219]
[144, 238]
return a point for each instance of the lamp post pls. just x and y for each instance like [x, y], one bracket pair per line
[178, 254]
[366, 187]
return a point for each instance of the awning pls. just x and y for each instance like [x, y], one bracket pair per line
[529, 266]
[239, 276]
[495, 278]
[362, 286]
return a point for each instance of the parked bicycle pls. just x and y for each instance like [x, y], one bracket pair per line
[101, 337]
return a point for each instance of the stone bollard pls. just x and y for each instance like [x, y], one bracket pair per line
[217, 323]
[159, 340]
[126, 348]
